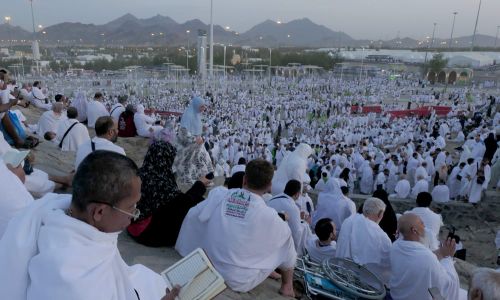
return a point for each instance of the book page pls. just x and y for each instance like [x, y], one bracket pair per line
[196, 276]
[15, 157]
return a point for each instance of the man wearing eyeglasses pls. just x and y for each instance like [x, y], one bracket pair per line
[65, 246]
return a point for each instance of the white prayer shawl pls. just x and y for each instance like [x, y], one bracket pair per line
[366, 183]
[14, 198]
[363, 241]
[415, 269]
[293, 166]
[332, 204]
[38, 99]
[243, 237]
[80, 103]
[453, 183]
[402, 189]
[432, 222]
[144, 123]
[95, 109]
[440, 160]
[100, 144]
[43, 247]
[421, 186]
[116, 111]
[78, 135]
[477, 189]
[441, 193]
[49, 121]
[39, 184]
[300, 231]
[317, 253]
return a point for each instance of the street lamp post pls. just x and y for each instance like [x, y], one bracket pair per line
[452, 29]
[270, 64]
[432, 42]
[362, 60]
[224, 62]
[7, 21]
[211, 38]
[496, 37]
[187, 51]
[475, 27]
[36, 50]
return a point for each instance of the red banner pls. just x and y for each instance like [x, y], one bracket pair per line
[366, 109]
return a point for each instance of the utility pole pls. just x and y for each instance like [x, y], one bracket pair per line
[452, 29]
[475, 27]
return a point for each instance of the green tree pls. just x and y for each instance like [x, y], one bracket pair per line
[437, 63]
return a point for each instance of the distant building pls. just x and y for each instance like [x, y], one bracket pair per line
[380, 58]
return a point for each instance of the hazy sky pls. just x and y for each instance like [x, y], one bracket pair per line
[370, 19]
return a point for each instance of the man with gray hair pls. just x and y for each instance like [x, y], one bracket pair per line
[362, 240]
[416, 269]
[484, 284]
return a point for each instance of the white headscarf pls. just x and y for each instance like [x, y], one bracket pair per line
[139, 109]
[191, 119]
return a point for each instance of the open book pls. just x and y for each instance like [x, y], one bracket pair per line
[197, 277]
[15, 157]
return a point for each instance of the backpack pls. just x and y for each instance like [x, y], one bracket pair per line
[126, 125]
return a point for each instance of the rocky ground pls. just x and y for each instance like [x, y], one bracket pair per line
[476, 226]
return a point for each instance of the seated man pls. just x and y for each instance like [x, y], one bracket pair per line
[37, 182]
[334, 204]
[422, 185]
[15, 197]
[286, 203]
[244, 238]
[95, 109]
[432, 220]
[10, 125]
[484, 284]
[240, 167]
[415, 268]
[37, 98]
[441, 192]
[71, 133]
[49, 121]
[362, 240]
[106, 130]
[402, 189]
[69, 245]
[118, 108]
[324, 246]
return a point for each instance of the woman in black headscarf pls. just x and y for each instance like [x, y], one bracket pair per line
[163, 207]
[389, 222]
[491, 146]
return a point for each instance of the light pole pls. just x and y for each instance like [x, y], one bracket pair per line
[475, 26]
[496, 37]
[36, 49]
[452, 29]
[432, 42]
[211, 38]
[187, 51]
[7, 21]
[224, 62]
[362, 60]
[270, 64]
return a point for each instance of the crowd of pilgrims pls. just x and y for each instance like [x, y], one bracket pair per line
[306, 132]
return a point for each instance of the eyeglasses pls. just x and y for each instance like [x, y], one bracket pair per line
[134, 215]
